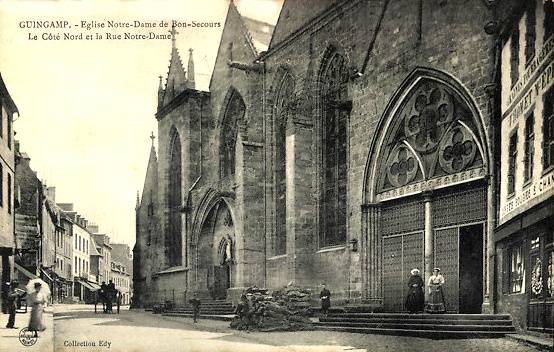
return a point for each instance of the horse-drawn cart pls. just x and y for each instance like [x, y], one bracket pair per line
[107, 298]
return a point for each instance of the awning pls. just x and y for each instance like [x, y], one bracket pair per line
[94, 285]
[87, 285]
[46, 274]
[25, 271]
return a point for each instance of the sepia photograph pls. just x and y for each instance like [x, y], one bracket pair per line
[277, 175]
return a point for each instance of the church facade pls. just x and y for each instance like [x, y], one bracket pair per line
[347, 145]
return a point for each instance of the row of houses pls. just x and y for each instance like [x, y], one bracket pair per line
[353, 141]
[50, 240]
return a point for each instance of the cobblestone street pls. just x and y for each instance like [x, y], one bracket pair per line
[139, 330]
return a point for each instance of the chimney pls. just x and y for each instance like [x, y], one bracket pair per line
[51, 193]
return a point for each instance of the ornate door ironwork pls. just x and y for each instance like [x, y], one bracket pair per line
[401, 254]
[447, 257]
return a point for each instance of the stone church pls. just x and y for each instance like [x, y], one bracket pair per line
[348, 144]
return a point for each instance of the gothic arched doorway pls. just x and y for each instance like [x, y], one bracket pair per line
[426, 194]
[215, 256]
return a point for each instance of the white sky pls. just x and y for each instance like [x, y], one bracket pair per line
[87, 106]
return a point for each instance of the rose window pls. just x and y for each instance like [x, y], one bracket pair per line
[428, 116]
[401, 166]
[457, 150]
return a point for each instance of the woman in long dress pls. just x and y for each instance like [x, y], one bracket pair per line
[415, 301]
[38, 300]
[436, 296]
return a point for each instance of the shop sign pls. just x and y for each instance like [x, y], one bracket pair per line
[544, 186]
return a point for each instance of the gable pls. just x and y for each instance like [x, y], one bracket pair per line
[295, 13]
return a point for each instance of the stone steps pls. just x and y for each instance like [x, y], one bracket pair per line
[424, 325]
[221, 317]
[208, 309]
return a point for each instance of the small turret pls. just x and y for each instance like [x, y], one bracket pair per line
[190, 74]
[160, 94]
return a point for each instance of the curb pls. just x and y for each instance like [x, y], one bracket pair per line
[538, 342]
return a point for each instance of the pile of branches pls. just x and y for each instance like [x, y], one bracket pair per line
[287, 309]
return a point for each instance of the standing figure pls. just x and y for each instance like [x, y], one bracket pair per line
[102, 295]
[325, 296]
[250, 311]
[38, 300]
[436, 296]
[110, 295]
[415, 300]
[13, 297]
[195, 302]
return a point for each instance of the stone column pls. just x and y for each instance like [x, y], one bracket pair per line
[429, 259]
[489, 251]
[371, 245]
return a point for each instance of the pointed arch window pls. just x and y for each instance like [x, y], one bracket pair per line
[173, 241]
[234, 112]
[335, 111]
[283, 110]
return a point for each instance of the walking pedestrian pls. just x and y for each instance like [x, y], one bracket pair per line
[436, 296]
[325, 296]
[195, 302]
[13, 297]
[38, 300]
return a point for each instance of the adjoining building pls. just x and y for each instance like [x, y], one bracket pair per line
[104, 248]
[524, 237]
[7, 187]
[121, 256]
[84, 285]
[28, 219]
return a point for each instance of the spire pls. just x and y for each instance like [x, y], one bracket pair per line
[190, 75]
[152, 137]
[174, 33]
[176, 76]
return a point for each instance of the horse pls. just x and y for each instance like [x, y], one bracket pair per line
[107, 299]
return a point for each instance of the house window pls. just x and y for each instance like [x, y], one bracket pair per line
[548, 19]
[1, 185]
[516, 269]
[335, 110]
[76, 240]
[529, 147]
[548, 130]
[530, 33]
[9, 193]
[282, 114]
[9, 121]
[512, 156]
[550, 273]
[76, 267]
[514, 55]
[1, 120]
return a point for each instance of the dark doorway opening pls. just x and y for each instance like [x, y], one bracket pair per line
[471, 269]
[222, 281]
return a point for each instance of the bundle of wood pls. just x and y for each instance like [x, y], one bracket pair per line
[288, 309]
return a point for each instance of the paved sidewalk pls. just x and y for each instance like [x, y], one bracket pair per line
[9, 338]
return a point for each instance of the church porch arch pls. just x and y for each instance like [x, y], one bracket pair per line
[426, 193]
[214, 246]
